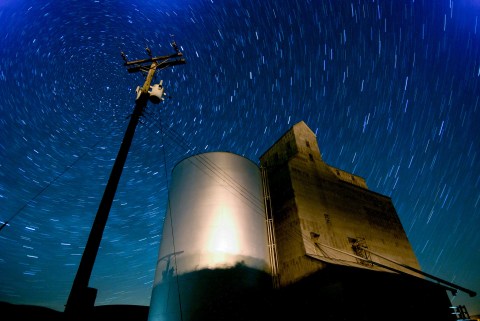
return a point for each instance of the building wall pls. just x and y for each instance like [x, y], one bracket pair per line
[317, 207]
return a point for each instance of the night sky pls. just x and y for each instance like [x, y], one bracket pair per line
[390, 88]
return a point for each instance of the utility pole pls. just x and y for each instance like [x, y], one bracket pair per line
[82, 298]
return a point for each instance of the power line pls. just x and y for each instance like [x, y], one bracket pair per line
[219, 173]
[171, 230]
[43, 189]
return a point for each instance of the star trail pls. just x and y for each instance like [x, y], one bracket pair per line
[390, 88]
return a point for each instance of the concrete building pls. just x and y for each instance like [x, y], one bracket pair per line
[325, 215]
[292, 239]
[341, 248]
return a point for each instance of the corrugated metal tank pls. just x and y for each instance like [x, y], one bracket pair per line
[214, 241]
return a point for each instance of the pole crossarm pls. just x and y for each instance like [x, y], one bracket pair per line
[160, 62]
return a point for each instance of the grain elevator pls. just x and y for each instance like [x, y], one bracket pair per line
[291, 238]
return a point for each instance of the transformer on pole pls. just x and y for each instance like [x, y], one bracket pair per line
[82, 297]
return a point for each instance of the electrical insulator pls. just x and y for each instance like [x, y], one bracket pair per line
[138, 91]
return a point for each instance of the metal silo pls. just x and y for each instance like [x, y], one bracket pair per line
[214, 241]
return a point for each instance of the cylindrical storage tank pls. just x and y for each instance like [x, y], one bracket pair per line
[213, 250]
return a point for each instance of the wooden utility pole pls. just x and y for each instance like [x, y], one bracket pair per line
[82, 298]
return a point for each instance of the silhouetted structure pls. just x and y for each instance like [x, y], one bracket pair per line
[81, 300]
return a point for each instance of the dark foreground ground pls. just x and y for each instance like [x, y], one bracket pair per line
[335, 293]
[14, 312]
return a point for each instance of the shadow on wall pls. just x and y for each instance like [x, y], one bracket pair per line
[335, 293]
[236, 293]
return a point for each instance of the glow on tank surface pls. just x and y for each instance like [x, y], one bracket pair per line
[215, 219]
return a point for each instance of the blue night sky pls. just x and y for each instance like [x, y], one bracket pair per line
[391, 89]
